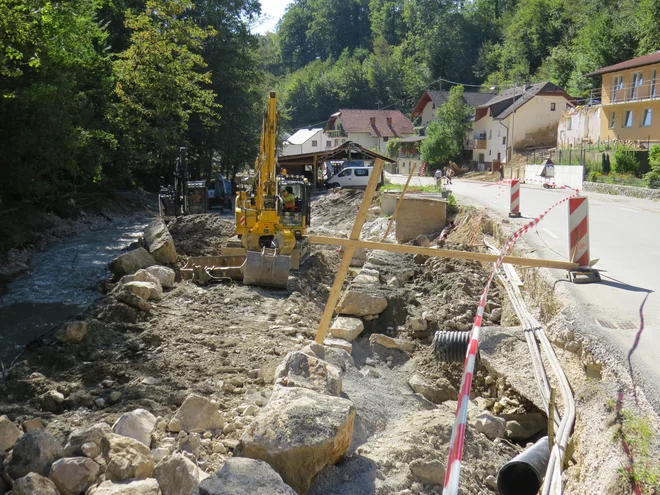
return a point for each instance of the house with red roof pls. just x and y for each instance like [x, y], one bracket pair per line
[369, 128]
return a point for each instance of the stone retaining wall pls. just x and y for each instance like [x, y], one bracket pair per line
[635, 192]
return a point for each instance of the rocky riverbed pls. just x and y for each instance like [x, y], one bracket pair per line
[222, 384]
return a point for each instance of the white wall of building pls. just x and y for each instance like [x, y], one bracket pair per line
[304, 142]
[579, 125]
[428, 114]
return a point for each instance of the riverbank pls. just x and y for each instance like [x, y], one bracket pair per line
[27, 229]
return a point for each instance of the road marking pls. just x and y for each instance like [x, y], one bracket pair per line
[550, 233]
[629, 209]
[596, 203]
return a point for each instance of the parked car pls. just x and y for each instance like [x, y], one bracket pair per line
[353, 178]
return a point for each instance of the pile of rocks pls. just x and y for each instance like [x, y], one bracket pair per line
[140, 454]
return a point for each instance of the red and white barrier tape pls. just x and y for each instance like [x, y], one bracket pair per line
[452, 475]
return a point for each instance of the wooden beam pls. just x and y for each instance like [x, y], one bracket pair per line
[399, 201]
[442, 253]
[333, 297]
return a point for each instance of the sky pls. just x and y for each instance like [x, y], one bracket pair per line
[271, 11]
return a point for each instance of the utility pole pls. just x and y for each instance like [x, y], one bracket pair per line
[513, 126]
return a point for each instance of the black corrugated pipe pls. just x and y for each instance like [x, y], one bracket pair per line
[451, 347]
[523, 475]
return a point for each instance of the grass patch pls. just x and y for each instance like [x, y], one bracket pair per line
[399, 188]
[637, 436]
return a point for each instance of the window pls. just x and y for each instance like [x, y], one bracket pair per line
[315, 144]
[488, 152]
[361, 172]
[328, 144]
[617, 84]
[553, 106]
[336, 142]
[490, 134]
[504, 140]
[652, 92]
[499, 156]
[628, 119]
[385, 139]
[569, 124]
[646, 119]
[346, 173]
[611, 125]
[636, 81]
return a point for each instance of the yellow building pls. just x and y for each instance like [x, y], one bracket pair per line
[630, 100]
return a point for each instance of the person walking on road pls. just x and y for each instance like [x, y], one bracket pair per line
[501, 172]
[449, 175]
[438, 177]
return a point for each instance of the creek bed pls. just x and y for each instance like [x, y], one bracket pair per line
[62, 281]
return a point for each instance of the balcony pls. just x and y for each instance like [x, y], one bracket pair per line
[625, 93]
[480, 144]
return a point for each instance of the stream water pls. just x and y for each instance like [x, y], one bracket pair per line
[63, 280]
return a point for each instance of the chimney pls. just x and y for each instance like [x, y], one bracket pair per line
[389, 121]
[372, 121]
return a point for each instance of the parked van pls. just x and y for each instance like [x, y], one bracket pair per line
[354, 177]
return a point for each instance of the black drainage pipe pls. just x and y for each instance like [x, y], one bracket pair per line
[451, 347]
[523, 475]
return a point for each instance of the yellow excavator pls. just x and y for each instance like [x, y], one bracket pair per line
[273, 215]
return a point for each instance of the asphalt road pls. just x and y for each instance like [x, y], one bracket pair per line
[625, 237]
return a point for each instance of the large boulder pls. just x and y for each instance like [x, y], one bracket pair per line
[360, 304]
[240, 476]
[490, 425]
[136, 424]
[195, 413]
[299, 432]
[346, 328]
[136, 487]
[34, 452]
[9, 433]
[165, 276]
[430, 472]
[78, 438]
[146, 276]
[72, 333]
[176, 475]
[34, 484]
[131, 262]
[144, 290]
[302, 370]
[73, 475]
[134, 301]
[160, 242]
[437, 392]
[391, 343]
[126, 458]
[528, 425]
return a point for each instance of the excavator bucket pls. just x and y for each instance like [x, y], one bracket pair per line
[267, 269]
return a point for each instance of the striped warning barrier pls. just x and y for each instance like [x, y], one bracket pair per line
[514, 209]
[452, 474]
[578, 225]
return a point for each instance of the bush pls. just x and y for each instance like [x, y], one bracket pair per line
[452, 207]
[606, 167]
[654, 156]
[625, 162]
[652, 179]
[593, 176]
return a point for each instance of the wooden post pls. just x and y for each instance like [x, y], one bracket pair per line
[399, 201]
[333, 297]
[551, 419]
[316, 173]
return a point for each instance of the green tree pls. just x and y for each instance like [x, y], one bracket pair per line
[160, 86]
[447, 131]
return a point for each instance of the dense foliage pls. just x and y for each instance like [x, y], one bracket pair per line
[101, 94]
[382, 53]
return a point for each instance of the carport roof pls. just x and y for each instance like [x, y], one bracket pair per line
[346, 151]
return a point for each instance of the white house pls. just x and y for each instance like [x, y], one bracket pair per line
[369, 128]
[303, 141]
[527, 116]
[579, 125]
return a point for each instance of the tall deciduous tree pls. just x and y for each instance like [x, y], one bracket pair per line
[161, 83]
[445, 134]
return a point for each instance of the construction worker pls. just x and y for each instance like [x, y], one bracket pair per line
[438, 177]
[289, 199]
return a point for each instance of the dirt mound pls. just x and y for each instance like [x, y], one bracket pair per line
[200, 235]
[336, 211]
